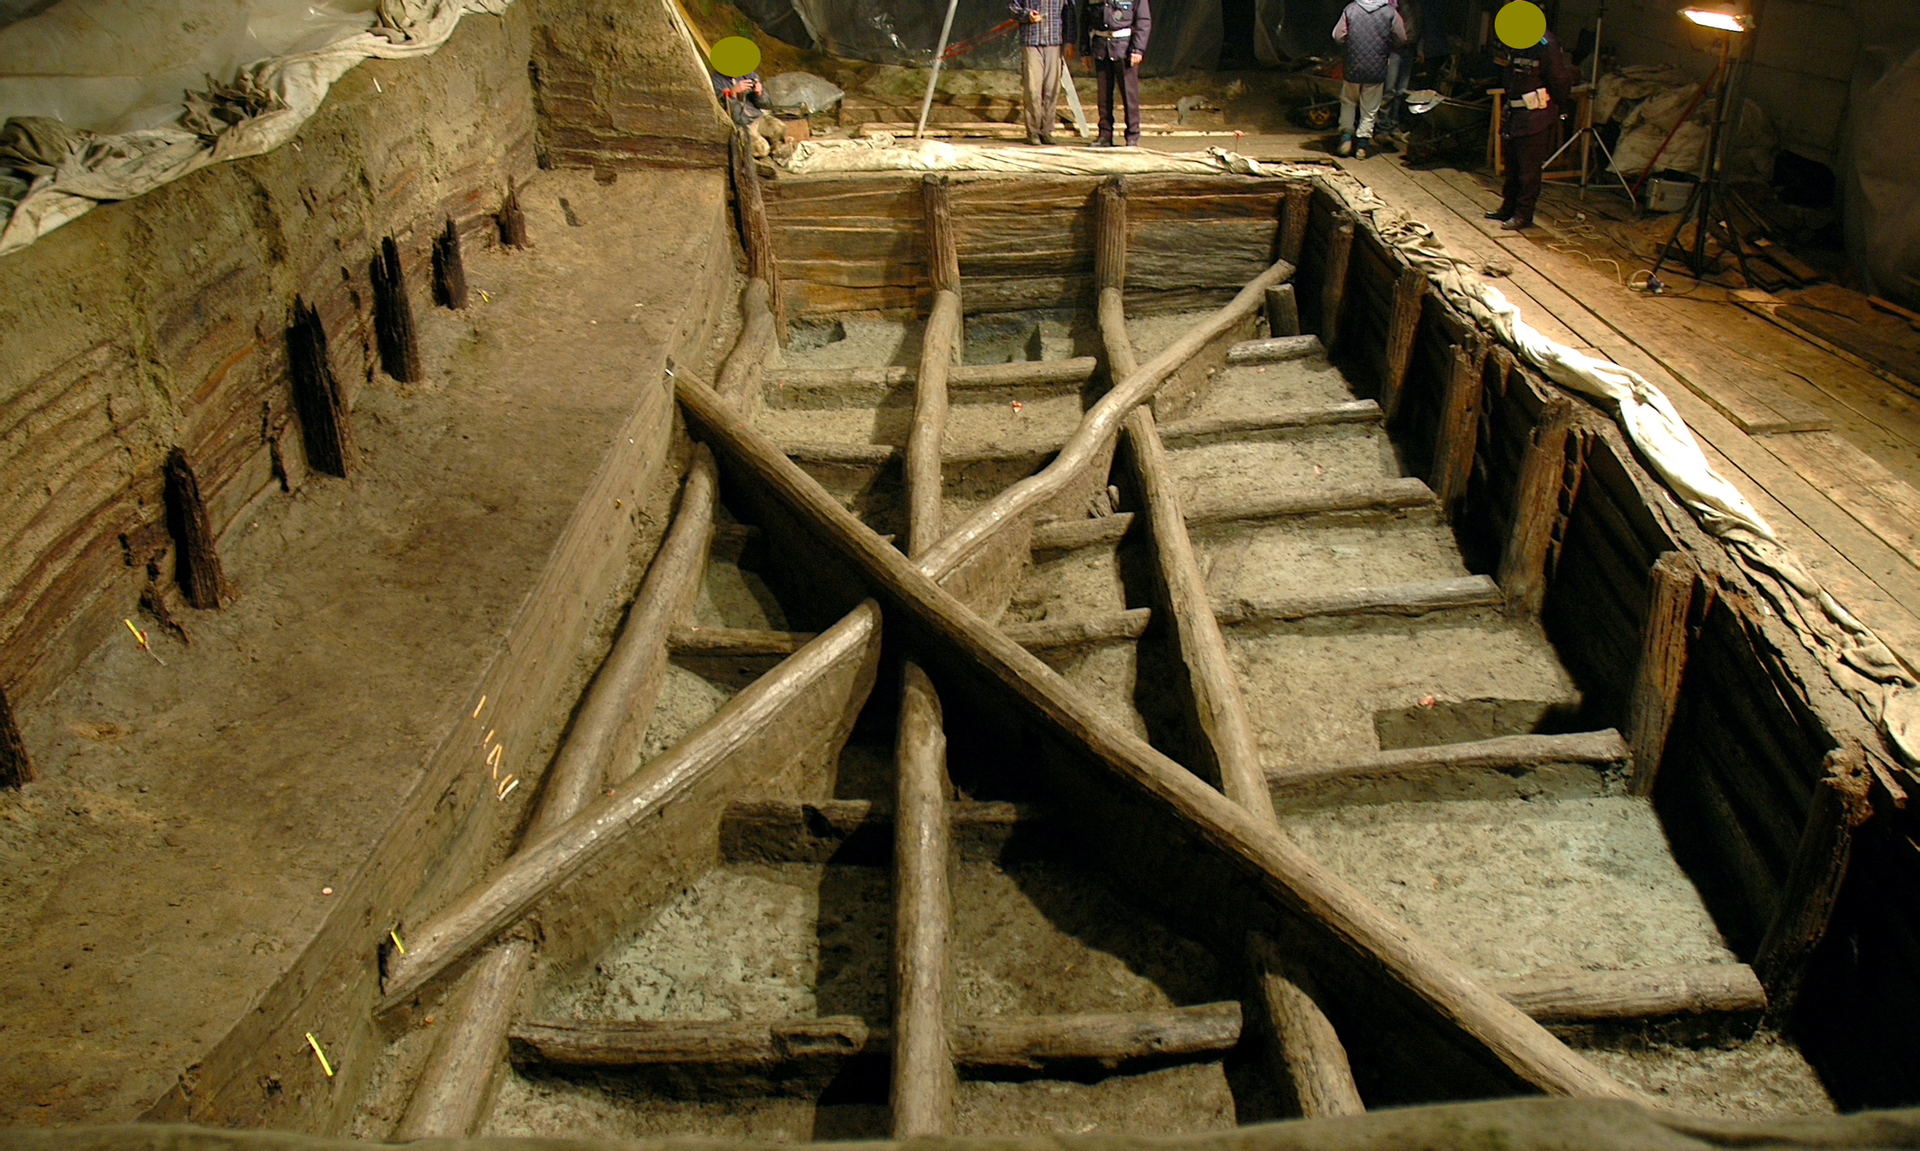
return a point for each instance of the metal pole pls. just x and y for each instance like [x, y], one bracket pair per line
[926, 105]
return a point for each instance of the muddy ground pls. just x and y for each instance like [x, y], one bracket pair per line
[177, 851]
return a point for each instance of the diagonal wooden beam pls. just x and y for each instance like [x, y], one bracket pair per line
[1283, 873]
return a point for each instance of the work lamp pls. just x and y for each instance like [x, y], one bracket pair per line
[1720, 17]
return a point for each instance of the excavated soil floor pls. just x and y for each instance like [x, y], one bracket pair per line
[175, 855]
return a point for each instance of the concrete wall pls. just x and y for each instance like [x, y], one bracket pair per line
[1803, 62]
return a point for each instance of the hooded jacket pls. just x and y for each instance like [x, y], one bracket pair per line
[1369, 30]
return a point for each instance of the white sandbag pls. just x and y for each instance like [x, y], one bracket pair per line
[802, 93]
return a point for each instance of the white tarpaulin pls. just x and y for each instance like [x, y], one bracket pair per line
[883, 153]
[262, 109]
[1879, 681]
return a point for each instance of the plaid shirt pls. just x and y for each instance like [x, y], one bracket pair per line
[1052, 30]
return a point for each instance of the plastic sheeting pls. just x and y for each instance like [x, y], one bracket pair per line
[1187, 34]
[286, 90]
[882, 153]
[1882, 162]
[1883, 685]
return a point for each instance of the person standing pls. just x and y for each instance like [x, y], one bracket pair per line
[1368, 31]
[1117, 32]
[1046, 27]
[1539, 91]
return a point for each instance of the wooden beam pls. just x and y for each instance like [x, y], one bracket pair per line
[1210, 429]
[455, 1086]
[1505, 753]
[1278, 348]
[1142, 775]
[393, 316]
[1283, 313]
[1647, 993]
[1409, 297]
[1032, 1042]
[1333, 290]
[943, 250]
[923, 1079]
[1095, 432]
[1048, 635]
[1536, 509]
[1458, 436]
[1663, 663]
[735, 641]
[939, 349]
[828, 387]
[1225, 726]
[326, 426]
[202, 579]
[1403, 494]
[1840, 806]
[756, 236]
[857, 831]
[1307, 1056]
[1408, 599]
[760, 721]
[1294, 214]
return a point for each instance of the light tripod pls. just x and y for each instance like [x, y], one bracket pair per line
[1586, 136]
[1709, 204]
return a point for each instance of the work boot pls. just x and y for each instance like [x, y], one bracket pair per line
[1502, 214]
[1104, 142]
[1515, 225]
[1133, 141]
[1346, 146]
[1362, 148]
[1047, 141]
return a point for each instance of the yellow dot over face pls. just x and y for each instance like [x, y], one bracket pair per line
[737, 56]
[1519, 24]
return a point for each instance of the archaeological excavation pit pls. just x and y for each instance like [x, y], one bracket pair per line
[850, 655]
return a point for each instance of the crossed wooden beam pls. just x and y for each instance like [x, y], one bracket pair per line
[1222, 848]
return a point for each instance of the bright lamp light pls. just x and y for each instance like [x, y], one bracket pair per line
[1721, 19]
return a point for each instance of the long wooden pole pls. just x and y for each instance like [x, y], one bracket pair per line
[1283, 871]
[1663, 663]
[1536, 509]
[1306, 1052]
[1226, 727]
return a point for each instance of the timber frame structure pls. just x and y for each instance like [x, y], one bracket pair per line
[1758, 766]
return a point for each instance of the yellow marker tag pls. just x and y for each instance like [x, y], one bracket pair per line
[1520, 24]
[324, 1065]
[138, 636]
[735, 56]
[395, 936]
[483, 699]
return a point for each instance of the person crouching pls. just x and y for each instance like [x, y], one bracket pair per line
[1046, 27]
[1369, 31]
[1117, 32]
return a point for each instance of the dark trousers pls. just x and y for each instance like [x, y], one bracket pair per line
[1129, 77]
[1526, 160]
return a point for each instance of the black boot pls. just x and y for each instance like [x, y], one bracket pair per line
[1502, 214]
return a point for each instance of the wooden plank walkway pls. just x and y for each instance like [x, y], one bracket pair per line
[1828, 452]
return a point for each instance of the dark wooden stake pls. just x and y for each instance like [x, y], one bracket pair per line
[449, 270]
[1333, 290]
[1840, 805]
[15, 768]
[1293, 221]
[1663, 663]
[511, 220]
[393, 316]
[1536, 509]
[1409, 294]
[1306, 1053]
[197, 570]
[325, 426]
[1283, 311]
[756, 235]
[1459, 432]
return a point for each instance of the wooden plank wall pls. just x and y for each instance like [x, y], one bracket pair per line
[1759, 726]
[855, 243]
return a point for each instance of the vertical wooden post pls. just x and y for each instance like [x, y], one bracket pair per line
[1110, 236]
[511, 221]
[1536, 509]
[15, 768]
[756, 234]
[1663, 663]
[325, 426]
[1459, 433]
[1409, 295]
[1306, 1053]
[1840, 805]
[1295, 212]
[198, 571]
[393, 316]
[449, 268]
[1333, 290]
[1283, 311]
[939, 349]
[923, 1076]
